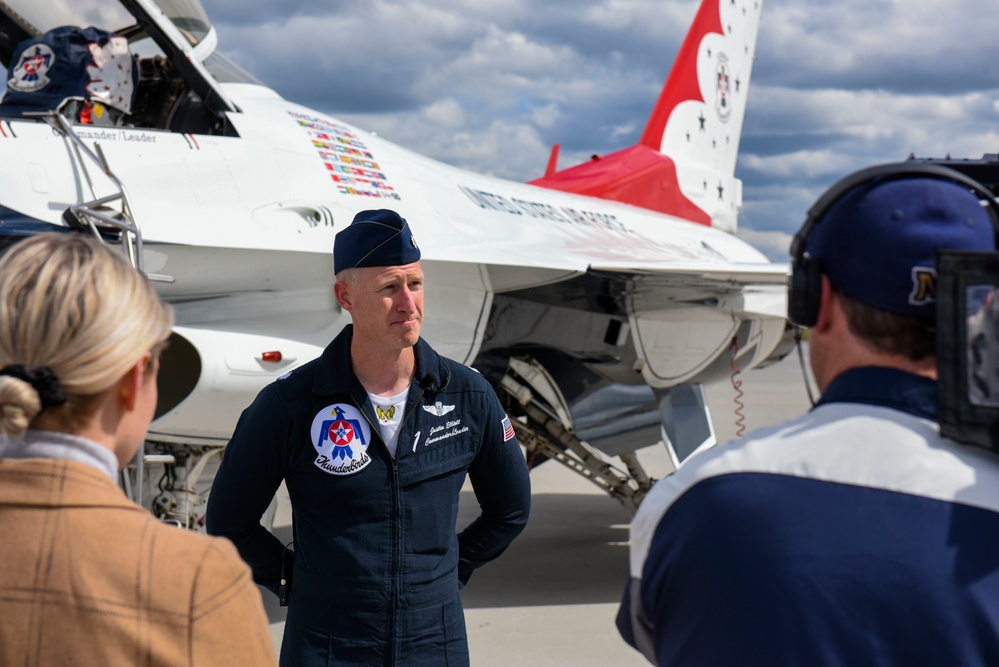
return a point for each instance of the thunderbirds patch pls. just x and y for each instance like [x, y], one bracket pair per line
[341, 436]
[30, 72]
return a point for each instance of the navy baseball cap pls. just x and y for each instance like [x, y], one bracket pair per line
[878, 243]
[375, 238]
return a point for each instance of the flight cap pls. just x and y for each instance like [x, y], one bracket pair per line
[375, 238]
[878, 243]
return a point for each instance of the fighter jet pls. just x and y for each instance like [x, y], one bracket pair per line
[597, 299]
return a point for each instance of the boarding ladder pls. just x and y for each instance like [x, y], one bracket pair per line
[111, 212]
[544, 427]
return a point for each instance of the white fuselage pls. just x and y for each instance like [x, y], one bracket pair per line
[244, 225]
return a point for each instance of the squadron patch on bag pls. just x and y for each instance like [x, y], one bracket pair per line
[31, 71]
[341, 436]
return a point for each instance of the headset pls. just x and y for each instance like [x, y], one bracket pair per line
[805, 282]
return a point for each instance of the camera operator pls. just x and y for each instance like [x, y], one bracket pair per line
[855, 534]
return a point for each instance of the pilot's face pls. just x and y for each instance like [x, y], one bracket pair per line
[386, 304]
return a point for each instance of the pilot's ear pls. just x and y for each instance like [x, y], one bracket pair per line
[342, 291]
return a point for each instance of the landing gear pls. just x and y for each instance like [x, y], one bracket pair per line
[544, 426]
[173, 480]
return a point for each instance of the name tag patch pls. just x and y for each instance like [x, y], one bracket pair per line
[447, 430]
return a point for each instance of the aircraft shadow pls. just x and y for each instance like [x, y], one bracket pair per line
[573, 551]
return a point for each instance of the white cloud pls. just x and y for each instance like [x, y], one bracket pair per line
[774, 245]
[798, 163]
[445, 113]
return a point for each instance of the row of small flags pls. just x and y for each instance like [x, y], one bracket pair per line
[352, 167]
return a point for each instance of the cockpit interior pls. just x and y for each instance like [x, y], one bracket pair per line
[173, 47]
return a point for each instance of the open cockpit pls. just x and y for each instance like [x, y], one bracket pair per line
[171, 45]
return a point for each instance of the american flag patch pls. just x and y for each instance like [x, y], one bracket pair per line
[507, 429]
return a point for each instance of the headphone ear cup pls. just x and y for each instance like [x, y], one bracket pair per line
[805, 293]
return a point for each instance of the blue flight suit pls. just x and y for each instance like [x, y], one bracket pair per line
[377, 563]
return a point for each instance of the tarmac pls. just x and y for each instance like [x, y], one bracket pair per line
[551, 599]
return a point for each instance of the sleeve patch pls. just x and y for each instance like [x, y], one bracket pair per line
[508, 433]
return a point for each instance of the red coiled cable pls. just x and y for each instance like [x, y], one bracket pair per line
[740, 417]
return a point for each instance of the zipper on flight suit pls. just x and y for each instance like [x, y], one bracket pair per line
[396, 537]
[397, 560]
[396, 540]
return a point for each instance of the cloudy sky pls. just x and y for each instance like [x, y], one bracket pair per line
[490, 85]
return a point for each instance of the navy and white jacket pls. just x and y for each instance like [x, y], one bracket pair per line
[854, 535]
[377, 561]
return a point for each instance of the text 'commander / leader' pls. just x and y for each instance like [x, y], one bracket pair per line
[374, 440]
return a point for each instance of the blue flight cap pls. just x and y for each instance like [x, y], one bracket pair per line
[878, 243]
[375, 238]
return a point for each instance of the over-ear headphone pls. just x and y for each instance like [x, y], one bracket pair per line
[805, 284]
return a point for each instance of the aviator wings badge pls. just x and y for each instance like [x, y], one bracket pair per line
[438, 409]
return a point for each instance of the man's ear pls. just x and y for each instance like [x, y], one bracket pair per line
[342, 291]
[828, 305]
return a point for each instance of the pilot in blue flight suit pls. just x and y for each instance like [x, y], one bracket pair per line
[374, 440]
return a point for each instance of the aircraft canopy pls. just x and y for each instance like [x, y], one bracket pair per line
[188, 15]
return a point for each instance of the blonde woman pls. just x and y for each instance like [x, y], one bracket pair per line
[86, 576]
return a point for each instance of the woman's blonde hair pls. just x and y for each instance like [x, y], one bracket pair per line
[70, 303]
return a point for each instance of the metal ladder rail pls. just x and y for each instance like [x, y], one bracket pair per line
[627, 488]
[93, 214]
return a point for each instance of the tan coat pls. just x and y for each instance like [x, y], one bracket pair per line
[89, 578]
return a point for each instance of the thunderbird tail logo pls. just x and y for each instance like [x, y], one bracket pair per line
[723, 104]
[438, 409]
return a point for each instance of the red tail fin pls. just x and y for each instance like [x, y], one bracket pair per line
[684, 164]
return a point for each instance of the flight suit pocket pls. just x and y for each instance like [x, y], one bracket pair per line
[430, 505]
[434, 635]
